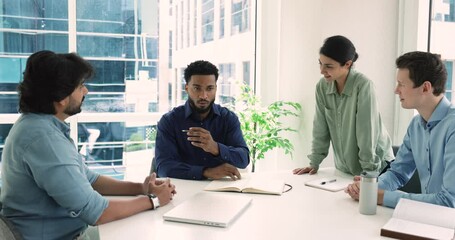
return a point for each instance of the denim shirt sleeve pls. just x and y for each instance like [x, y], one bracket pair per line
[59, 170]
[400, 172]
[403, 167]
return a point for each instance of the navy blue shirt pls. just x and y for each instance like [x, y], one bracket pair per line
[175, 156]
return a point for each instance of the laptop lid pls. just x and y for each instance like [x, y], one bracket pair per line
[211, 209]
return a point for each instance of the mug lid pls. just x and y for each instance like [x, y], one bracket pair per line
[369, 174]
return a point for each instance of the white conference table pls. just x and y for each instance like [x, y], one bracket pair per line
[302, 213]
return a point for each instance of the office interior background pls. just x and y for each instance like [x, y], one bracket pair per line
[140, 48]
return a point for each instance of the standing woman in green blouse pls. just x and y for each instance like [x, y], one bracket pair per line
[346, 115]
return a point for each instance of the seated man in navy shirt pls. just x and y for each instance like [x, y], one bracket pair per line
[200, 139]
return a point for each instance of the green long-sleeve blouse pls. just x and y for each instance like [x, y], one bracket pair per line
[352, 123]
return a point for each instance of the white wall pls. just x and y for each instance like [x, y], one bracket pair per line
[288, 62]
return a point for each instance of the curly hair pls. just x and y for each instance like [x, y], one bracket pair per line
[200, 67]
[50, 77]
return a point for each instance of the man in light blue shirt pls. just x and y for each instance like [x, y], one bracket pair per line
[47, 190]
[429, 144]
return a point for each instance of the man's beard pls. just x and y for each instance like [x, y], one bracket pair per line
[201, 110]
[73, 110]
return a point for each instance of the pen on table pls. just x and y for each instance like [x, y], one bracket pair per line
[328, 181]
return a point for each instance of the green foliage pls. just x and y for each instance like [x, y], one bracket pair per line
[138, 142]
[131, 147]
[261, 126]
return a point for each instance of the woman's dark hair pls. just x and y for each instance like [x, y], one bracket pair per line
[424, 66]
[50, 77]
[340, 49]
[200, 68]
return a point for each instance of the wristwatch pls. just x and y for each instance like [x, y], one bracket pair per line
[154, 200]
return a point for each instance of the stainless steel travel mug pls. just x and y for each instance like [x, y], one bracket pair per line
[368, 198]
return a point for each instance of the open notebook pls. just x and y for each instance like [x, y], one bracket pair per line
[419, 220]
[211, 209]
[247, 185]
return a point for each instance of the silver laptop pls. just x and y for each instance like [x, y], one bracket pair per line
[211, 209]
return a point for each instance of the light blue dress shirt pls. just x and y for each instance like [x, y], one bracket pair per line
[428, 147]
[46, 187]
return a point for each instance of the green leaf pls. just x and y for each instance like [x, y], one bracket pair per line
[261, 126]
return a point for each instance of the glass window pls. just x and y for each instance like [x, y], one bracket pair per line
[450, 76]
[176, 27]
[30, 26]
[195, 22]
[182, 86]
[246, 73]
[240, 16]
[4, 130]
[222, 10]
[37, 15]
[207, 20]
[170, 50]
[441, 31]
[181, 26]
[226, 81]
[187, 23]
[138, 75]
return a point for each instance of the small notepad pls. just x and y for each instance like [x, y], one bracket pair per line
[333, 184]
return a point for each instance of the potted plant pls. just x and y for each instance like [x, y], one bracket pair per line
[261, 126]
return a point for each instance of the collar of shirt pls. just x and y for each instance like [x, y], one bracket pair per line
[438, 114]
[348, 87]
[189, 111]
[62, 126]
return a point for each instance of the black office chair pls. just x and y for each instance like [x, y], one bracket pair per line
[153, 167]
[7, 230]
[413, 185]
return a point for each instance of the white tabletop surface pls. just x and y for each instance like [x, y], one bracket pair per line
[302, 213]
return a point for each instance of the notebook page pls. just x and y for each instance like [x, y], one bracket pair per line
[426, 213]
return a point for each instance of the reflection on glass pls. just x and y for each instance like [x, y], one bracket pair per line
[35, 15]
[104, 102]
[117, 88]
[9, 102]
[441, 40]
[120, 38]
[10, 75]
[115, 16]
[118, 46]
[221, 18]
[136, 71]
[207, 20]
[107, 145]
[226, 82]
[184, 94]
[240, 16]
[4, 130]
[26, 43]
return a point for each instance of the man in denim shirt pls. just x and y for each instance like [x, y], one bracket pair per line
[200, 139]
[48, 192]
[428, 146]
